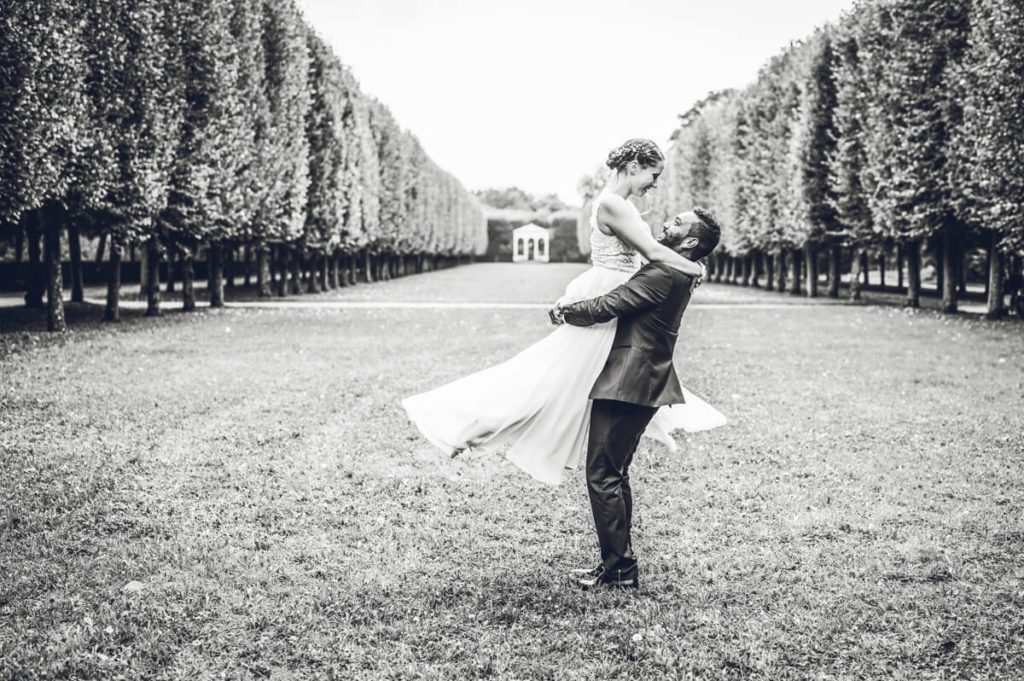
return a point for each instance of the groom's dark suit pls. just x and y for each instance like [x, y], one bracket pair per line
[637, 378]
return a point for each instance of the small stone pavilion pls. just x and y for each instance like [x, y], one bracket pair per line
[530, 243]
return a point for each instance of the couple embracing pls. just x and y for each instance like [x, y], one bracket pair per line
[605, 376]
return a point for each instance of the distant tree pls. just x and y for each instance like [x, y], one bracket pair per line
[818, 146]
[908, 50]
[324, 198]
[41, 133]
[848, 164]
[516, 198]
[206, 202]
[564, 246]
[987, 161]
[286, 169]
[588, 187]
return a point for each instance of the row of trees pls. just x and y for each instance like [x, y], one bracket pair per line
[897, 131]
[208, 124]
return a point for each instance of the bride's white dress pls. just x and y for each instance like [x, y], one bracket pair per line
[534, 409]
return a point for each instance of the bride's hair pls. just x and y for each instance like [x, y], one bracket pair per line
[643, 151]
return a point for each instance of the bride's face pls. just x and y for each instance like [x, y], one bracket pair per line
[647, 178]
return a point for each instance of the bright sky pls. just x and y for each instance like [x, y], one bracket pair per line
[534, 93]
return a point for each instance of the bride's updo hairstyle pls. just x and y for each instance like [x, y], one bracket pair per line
[643, 151]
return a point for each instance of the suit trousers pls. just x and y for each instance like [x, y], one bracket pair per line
[615, 430]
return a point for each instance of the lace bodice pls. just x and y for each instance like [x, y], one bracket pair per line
[610, 251]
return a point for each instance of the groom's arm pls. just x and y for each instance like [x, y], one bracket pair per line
[648, 287]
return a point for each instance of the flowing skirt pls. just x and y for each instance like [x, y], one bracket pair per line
[534, 408]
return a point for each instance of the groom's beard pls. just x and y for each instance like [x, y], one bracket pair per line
[670, 239]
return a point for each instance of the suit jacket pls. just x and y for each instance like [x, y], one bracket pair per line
[649, 308]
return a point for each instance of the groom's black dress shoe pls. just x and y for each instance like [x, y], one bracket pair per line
[586, 572]
[599, 576]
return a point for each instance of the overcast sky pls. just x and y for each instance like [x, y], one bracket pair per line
[534, 93]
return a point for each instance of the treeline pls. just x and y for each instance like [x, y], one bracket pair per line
[208, 124]
[896, 133]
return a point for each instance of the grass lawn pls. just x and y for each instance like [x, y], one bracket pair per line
[237, 494]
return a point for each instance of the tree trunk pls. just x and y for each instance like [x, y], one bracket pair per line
[35, 283]
[19, 243]
[755, 269]
[75, 250]
[949, 272]
[112, 312]
[152, 257]
[343, 270]
[325, 271]
[748, 268]
[769, 268]
[143, 271]
[912, 252]
[834, 266]
[962, 269]
[796, 258]
[899, 266]
[811, 258]
[334, 280]
[295, 284]
[940, 271]
[248, 265]
[188, 279]
[101, 247]
[881, 268]
[229, 266]
[856, 262]
[215, 277]
[280, 271]
[172, 257]
[780, 269]
[996, 308]
[52, 217]
[368, 265]
[864, 266]
[313, 283]
[262, 272]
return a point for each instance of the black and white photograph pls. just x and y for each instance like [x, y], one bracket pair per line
[565, 340]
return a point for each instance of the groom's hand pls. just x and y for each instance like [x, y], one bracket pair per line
[555, 315]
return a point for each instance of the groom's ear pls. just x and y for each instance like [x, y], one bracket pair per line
[689, 242]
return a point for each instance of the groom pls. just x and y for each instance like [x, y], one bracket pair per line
[637, 379]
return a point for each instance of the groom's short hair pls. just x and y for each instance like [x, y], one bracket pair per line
[707, 231]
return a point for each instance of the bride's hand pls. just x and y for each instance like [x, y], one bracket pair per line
[698, 280]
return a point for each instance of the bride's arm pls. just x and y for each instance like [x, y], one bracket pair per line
[627, 225]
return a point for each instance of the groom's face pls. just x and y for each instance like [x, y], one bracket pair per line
[676, 232]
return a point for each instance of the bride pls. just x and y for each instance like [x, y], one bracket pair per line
[534, 409]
